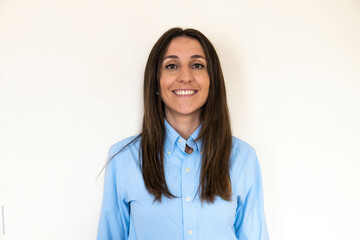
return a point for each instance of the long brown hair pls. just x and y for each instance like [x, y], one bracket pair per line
[215, 125]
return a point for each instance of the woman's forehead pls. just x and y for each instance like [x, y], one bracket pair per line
[184, 46]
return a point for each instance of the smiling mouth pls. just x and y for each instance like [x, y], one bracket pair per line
[184, 92]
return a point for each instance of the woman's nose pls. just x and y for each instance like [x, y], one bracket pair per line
[185, 75]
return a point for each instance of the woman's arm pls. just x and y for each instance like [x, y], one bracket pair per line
[115, 212]
[250, 223]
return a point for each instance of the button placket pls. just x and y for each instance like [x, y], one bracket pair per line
[189, 207]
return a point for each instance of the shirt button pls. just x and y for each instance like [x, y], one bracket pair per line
[169, 152]
[180, 140]
[187, 169]
[190, 232]
[188, 199]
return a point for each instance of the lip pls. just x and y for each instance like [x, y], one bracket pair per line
[188, 92]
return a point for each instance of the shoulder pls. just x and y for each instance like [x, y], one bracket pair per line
[242, 148]
[122, 164]
[127, 148]
[124, 145]
[243, 157]
[243, 166]
[123, 154]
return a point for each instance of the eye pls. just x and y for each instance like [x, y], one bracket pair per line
[171, 66]
[198, 66]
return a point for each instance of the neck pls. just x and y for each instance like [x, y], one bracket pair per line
[184, 125]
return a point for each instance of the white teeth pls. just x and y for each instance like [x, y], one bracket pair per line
[184, 92]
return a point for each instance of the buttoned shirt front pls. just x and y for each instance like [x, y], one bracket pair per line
[130, 213]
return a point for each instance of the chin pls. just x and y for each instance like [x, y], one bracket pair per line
[189, 112]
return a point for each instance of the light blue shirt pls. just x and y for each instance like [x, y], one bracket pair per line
[129, 213]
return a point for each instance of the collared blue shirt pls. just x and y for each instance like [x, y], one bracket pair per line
[129, 212]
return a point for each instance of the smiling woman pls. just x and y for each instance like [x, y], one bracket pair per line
[184, 176]
[184, 84]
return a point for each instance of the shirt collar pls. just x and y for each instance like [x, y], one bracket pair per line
[172, 138]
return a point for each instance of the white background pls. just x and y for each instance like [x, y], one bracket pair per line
[71, 86]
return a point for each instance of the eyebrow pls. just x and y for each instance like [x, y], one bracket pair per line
[176, 57]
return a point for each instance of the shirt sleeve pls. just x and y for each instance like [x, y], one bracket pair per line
[115, 212]
[250, 223]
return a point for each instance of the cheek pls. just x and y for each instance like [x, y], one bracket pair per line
[206, 94]
[165, 82]
[163, 86]
[206, 86]
[165, 93]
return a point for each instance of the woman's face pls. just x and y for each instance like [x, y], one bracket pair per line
[184, 79]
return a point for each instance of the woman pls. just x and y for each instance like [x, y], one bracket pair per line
[184, 176]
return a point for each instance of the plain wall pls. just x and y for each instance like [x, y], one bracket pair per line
[71, 86]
